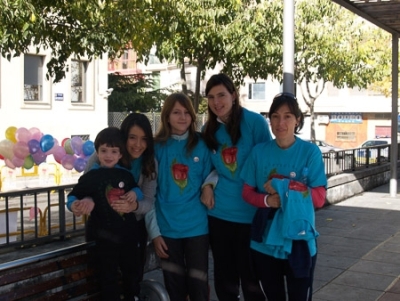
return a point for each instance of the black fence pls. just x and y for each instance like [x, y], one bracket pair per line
[36, 215]
[355, 159]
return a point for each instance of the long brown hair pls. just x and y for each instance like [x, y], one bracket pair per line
[165, 130]
[233, 123]
[140, 120]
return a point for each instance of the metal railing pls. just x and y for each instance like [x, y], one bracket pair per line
[350, 160]
[36, 215]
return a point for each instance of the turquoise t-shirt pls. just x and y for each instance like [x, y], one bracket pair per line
[179, 210]
[228, 161]
[267, 159]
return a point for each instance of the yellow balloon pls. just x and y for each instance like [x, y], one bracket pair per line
[10, 133]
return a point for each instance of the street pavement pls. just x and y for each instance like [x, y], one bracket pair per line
[359, 249]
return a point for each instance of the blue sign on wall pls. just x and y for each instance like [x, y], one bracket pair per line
[345, 118]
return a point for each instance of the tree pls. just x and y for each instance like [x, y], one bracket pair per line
[333, 45]
[134, 93]
[197, 35]
[206, 33]
[384, 85]
[80, 28]
[254, 43]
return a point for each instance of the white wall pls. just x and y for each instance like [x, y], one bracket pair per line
[61, 119]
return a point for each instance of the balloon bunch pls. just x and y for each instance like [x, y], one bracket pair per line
[24, 148]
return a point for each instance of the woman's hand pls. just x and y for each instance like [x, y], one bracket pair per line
[207, 196]
[130, 196]
[160, 247]
[268, 188]
[83, 206]
[124, 206]
[274, 201]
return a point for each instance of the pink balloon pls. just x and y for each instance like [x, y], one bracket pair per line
[22, 134]
[17, 162]
[58, 153]
[9, 163]
[35, 133]
[68, 161]
[21, 150]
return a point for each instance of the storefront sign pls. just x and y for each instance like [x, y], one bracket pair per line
[346, 118]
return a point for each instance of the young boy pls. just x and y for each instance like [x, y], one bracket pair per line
[114, 233]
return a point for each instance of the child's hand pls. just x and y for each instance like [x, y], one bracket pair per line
[130, 196]
[83, 206]
[75, 208]
[207, 197]
[160, 247]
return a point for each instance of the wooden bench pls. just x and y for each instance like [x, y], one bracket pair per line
[57, 275]
[63, 274]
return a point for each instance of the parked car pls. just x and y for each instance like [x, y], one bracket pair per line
[375, 142]
[374, 147]
[324, 147]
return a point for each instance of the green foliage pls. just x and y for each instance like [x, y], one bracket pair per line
[254, 42]
[334, 45]
[203, 105]
[134, 93]
[81, 28]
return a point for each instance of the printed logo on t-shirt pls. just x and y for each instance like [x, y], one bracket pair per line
[180, 174]
[229, 157]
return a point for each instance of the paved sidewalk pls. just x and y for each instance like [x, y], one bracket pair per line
[359, 250]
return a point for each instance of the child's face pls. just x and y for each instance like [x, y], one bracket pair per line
[108, 156]
[179, 119]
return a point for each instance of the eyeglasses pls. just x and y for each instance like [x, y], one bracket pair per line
[286, 95]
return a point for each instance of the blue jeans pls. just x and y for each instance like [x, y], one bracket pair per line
[186, 269]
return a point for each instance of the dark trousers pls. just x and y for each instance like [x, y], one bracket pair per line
[186, 269]
[142, 237]
[230, 245]
[273, 272]
[110, 258]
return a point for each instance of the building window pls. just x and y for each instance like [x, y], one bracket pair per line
[257, 91]
[78, 81]
[125, 60]
[33, 77]
[346, 136]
